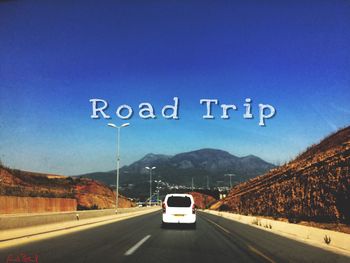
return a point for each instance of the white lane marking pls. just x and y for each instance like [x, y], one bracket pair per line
[222, 228]
[136, 246]
[251, 248]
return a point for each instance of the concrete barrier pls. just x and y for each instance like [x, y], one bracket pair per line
[13, 221]
[300, 232]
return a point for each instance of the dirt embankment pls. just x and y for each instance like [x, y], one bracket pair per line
[92, 194]
[89, 194]
[313, 187]
[203, 201]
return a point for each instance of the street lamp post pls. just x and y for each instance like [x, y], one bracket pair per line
[118, 159]
[230, 178]
[157, 182]
[150, 183]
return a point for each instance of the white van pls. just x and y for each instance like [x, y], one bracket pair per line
[179, 208]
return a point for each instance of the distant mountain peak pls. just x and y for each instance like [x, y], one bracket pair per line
[153, 156]
[207, 153]
[199, 164]
[250, 156]
[209, 150]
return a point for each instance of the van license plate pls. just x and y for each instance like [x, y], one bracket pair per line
[179, 215]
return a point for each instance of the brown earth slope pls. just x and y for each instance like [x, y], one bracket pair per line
[313, 187]
[90, 194]
[203, 201]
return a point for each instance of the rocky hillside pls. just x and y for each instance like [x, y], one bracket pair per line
[93, 194]
[313, 187]
[89, 194]
[203, 201]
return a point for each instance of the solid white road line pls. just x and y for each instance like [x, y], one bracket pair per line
[251, 248]
[136, 246]
[222, 228]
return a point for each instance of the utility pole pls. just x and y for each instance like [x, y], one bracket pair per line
[157, 181]
[230, 178]
[192, 184]
[150, 183]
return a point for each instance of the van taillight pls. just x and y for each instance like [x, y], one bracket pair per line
[164, 209]
[193, 209]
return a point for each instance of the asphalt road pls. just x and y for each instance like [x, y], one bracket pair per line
[141, 239]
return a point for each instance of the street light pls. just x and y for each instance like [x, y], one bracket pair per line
[150, 182]
[157, 182]
[118, 159]
[230, 178]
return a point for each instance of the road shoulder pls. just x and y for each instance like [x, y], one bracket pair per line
[340, 242]
[16, 236]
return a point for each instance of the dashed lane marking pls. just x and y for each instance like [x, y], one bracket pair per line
[136, 246]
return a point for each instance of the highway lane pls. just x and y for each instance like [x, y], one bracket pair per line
[141, 239]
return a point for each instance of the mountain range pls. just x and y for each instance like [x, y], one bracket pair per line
[204, 166]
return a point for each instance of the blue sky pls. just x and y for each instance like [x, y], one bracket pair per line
[55, 56]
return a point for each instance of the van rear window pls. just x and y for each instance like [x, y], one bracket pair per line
[179, 201]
